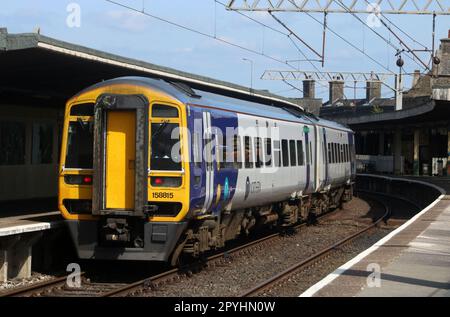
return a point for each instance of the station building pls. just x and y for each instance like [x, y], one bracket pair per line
[38, 75]
[411, 141]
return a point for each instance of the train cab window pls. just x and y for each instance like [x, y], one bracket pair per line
[237, 151]
[83, 109]
[165, 137]
[163, 111]
[268, 156]
[248, 152]
[300, 158]
[277, 153]
[258, 152]
[285, 152]
[292, 152]
[80, 145]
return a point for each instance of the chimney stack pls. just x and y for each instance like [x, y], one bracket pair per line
[373, 89]
[416, 77]
[336, 89]
[309, 88]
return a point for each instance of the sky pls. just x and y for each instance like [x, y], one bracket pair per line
[112, 28]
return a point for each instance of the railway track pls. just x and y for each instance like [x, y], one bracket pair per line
[58, 286]
[278, 279]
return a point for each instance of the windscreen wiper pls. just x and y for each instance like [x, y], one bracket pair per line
[160, 129]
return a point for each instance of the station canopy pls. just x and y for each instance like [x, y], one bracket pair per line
[51, 71]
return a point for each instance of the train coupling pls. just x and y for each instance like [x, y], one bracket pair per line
[116, 229]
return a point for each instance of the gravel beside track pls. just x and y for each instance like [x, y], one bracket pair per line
[245, 271]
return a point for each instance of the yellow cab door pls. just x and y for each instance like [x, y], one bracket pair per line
[120, 160]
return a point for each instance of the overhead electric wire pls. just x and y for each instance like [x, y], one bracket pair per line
[397, 27]
[275, 30]
[349, 43]
[252, 19]
[373, 30]
[200, 33]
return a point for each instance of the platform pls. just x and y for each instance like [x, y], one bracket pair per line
[18, 233]
[414, 259]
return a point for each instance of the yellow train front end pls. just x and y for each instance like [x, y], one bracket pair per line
[123, 179]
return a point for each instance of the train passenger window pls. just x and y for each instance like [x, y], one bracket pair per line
[345, 153]
[292, 151]
[330, 158]
[342, 152]
[268, 156]
[164, 138]
[228, 158]
[349, 153]
[80, 145]
[277, 153]
[248, 152]
[335, 160]
[12, 143]
[237, 152]
[338, 151]
[259, 152]
[300, 158]
[285, 152]
[310, 153]
[163, 111]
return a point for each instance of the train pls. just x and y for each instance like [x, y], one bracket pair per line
[156, 170]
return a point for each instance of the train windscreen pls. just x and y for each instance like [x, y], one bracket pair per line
[80, 141]
[165, 147]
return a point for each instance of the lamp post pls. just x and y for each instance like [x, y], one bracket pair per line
[251, 70]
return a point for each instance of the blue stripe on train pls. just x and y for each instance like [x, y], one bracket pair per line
[225, 179]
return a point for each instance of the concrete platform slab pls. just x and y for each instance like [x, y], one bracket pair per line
[18, 234]
[413, 260]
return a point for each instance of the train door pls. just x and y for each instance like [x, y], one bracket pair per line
[322, 160]
[308, 160]
[120, 159]
[120, 155]
[208, 148]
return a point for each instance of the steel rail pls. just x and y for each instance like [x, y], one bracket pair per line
[37, 287]
[314, 258]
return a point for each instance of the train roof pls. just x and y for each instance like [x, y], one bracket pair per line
[188, 95]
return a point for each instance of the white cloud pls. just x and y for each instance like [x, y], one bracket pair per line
[128, 20]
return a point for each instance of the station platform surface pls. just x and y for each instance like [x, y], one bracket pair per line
[413, 260]
[28, 216]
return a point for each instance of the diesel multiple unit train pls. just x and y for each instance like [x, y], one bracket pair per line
[157, 171]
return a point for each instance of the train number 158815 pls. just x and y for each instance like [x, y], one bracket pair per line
[162, 195]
